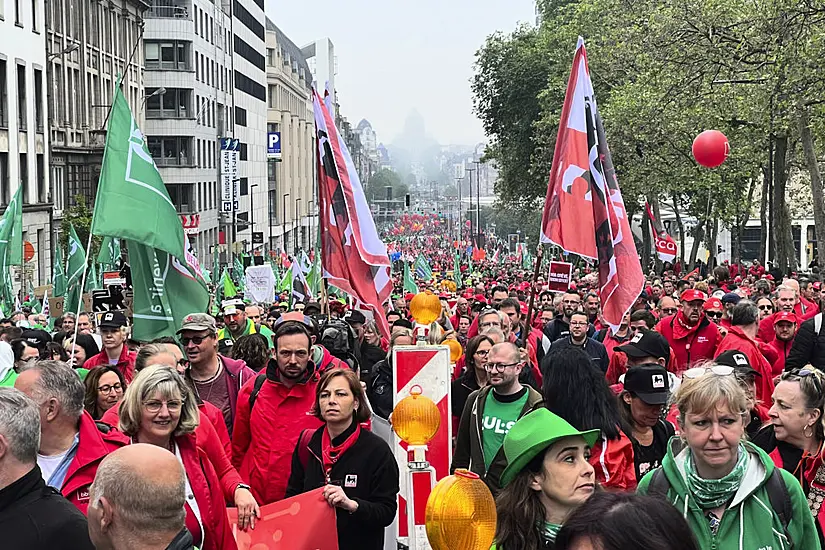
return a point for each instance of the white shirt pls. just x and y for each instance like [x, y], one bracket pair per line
[48, 464]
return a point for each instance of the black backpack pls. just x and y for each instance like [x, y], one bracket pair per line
[777, 494]
[340, 340]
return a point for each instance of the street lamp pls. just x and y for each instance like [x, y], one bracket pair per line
[297, 223]
[470, 187]
[68, 49]
[283, 223]
[159, 91]
[478, 202]
[252, 215]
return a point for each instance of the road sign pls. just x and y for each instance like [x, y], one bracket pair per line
[273, 145]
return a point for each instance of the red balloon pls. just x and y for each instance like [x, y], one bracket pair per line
[711, 148]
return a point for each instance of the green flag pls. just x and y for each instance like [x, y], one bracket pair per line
[165, 291]
[457, 270]
[216, 265]
[286, 282]
[409, 282]
[314, 276]
[109, 252]
[11, 229]
[132, 202]
[238, 272]
[92, 283]
[76, 260]
[422, 268]
[228, 286]
[58, 275]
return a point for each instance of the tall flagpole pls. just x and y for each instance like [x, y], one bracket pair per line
[528, 322]
[82, 288]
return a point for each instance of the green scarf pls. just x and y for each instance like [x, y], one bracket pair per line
[712, 493]
[551, 530]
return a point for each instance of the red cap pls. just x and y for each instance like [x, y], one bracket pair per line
[769, 277]
[713, 303]
[480, 298]
[817, 285]
[444, 295]
[692, 294]
[788, 316]
[523, 308]
[737, 279]
[409, 296]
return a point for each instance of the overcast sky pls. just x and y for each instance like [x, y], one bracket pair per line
[395, 55]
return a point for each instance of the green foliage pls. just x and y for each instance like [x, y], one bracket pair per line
[375, 189]
[79, 215]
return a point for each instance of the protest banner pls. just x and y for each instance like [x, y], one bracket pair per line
[558, 280]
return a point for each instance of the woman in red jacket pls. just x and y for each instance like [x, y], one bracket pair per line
[160, 409]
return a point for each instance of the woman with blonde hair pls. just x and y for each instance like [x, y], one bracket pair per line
[728, 489]
[160, 409]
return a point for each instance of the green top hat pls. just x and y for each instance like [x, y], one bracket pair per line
[532, 434]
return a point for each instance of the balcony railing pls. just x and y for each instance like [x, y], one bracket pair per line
[167, 12]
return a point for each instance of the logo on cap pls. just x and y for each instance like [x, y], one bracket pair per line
[740, 359]
[636, 338]
[108, 316]
[658, 380]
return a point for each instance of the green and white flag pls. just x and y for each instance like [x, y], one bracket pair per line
[59, 285]
[229, 290]
[457, 271]
[286, 281]
[165, 291]
[76, 259]
[92, 281]
[238, 272]
[109, 253]
[422, 268]
[314, 276]
[11, 229]
[409, 281]
[132, 202]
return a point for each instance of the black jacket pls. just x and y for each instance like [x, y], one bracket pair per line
[368, 473]
[594, 349]
[460, 390]
[808, 346]
[370, 355]
[379, 389]
[559, 328]
[34, 516]
[182, 541]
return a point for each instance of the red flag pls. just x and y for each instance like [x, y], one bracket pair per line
[303, 521]
[665, 245]
[584, 212]
[353, 257]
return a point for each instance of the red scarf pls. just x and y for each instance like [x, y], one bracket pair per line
[682, 328]
[331, 453]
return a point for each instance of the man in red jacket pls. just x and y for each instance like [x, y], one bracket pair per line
[784, 326]
[742, 337]
[691, 335]
[72, 444]
[273, 410]
[217, 378]
[787, 299]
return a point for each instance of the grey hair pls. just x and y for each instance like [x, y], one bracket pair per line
[58, 380]
[491, 311]
[398, 333]
[167, 382]
[146, 353]
[786, 287]
[744, 313]
[144, 505]
[494, 333]
[20, 424]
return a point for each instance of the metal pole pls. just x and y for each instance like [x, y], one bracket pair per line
[283, 224]
[478, 202]
[470, 187]
[297, 223]
[252, 216]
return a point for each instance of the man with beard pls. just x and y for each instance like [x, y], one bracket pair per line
[560, 326]
[691, 335]
[237, 323]
[490, 412]
[462, 307]
[273, 412]
[592, 305]
[784, 326]
[218, 379]
[667, 288]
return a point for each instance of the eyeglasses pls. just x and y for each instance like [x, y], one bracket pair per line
[718, 370]
[183, 362]
[197, 340]
[714, 314]
[482, 353]
[498, 367]
[669, 310]
[578, 323]
[490, 324]
[766, 307]
[173, 405]
[106, 388]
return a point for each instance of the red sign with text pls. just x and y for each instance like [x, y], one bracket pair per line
[561, 273]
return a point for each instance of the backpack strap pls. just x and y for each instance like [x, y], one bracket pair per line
[659, 484]
[818, 323]
[303, 447]
[780, 500]
[259, 382]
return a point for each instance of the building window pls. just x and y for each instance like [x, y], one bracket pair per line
[40, 178]
[172, 104]
[167, 55]
[4, 104]
[271, 57]
[240, 116]
[181, 196]
[35, 9]
[21, 98]
[4, 178]
[38, 100]
[17, 13]
[24, 176]
[59, 187]
[244, 186]
[170, 151]
[242, 153]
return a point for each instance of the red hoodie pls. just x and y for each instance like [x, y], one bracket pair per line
[689, 344]
[737, 340]
[125, 364]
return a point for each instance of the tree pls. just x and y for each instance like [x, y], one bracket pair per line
[80, 216]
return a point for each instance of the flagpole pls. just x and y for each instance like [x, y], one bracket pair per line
[82, 288]
[528, 322]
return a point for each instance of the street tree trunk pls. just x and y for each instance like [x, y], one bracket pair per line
[681, 227]
[646, 241]
[816, 177]
[698, 235]
[763, 215]
[785, 258]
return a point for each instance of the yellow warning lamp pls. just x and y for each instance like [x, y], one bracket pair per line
[461, 513]
[416, 418]
[425, 308]
[455, 349]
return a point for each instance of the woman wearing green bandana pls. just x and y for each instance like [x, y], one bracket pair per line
[547, 477]
[717, 480]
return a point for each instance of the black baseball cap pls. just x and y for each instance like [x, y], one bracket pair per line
[739, 361]
[113, 319]
[355, 317]
[649, 383]
[646, 344]
[225, 345]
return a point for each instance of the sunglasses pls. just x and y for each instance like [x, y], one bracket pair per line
[669, 310]
[197, 340]
[718, 370]
[765, 307]
[714, 314]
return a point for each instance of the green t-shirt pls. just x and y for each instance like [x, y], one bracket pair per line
[500, 413]
[250, 329]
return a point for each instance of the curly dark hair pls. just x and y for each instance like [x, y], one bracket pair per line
[253, 349]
